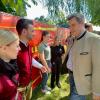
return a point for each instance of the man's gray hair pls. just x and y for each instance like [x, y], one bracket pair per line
[79, 17]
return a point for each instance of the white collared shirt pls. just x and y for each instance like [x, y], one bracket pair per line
[69, 62]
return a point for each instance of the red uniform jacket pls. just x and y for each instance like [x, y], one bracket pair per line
[8, 81]
[24, 61]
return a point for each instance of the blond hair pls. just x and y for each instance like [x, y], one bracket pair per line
[7, 37]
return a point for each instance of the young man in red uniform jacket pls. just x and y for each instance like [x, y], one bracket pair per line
[25, 61]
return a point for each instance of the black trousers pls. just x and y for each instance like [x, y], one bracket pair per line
[55, 71]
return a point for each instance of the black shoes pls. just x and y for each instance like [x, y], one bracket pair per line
[52, 86]
[58, 85]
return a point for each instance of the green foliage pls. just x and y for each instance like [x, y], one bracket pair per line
[59, 21]
[15, 7]
[56, 93]
[89, 8]
[45, 20]
[2, 7]
[94, 8]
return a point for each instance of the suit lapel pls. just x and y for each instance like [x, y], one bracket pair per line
[76, 49]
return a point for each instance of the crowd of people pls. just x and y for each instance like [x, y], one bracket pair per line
[82, 64]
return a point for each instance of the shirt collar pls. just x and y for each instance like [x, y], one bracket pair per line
[24, 43]
[81, 35]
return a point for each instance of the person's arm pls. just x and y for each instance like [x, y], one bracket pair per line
[96, 68]
[38, 65]
[41, 49]
[42, 58]
[7, 88]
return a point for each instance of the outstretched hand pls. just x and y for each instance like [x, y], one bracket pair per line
[43, 69]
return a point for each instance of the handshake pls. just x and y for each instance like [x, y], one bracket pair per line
[45, 69]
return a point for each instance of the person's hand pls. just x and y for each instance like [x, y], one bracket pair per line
[49, 70]
[96, 97]
[43, 69]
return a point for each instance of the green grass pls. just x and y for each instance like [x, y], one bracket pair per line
[56, 93]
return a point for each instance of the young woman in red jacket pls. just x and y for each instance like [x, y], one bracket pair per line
[9, 47]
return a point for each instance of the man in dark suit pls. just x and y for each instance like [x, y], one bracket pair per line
[57, 50]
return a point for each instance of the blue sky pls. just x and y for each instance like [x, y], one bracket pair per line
[36, 11]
